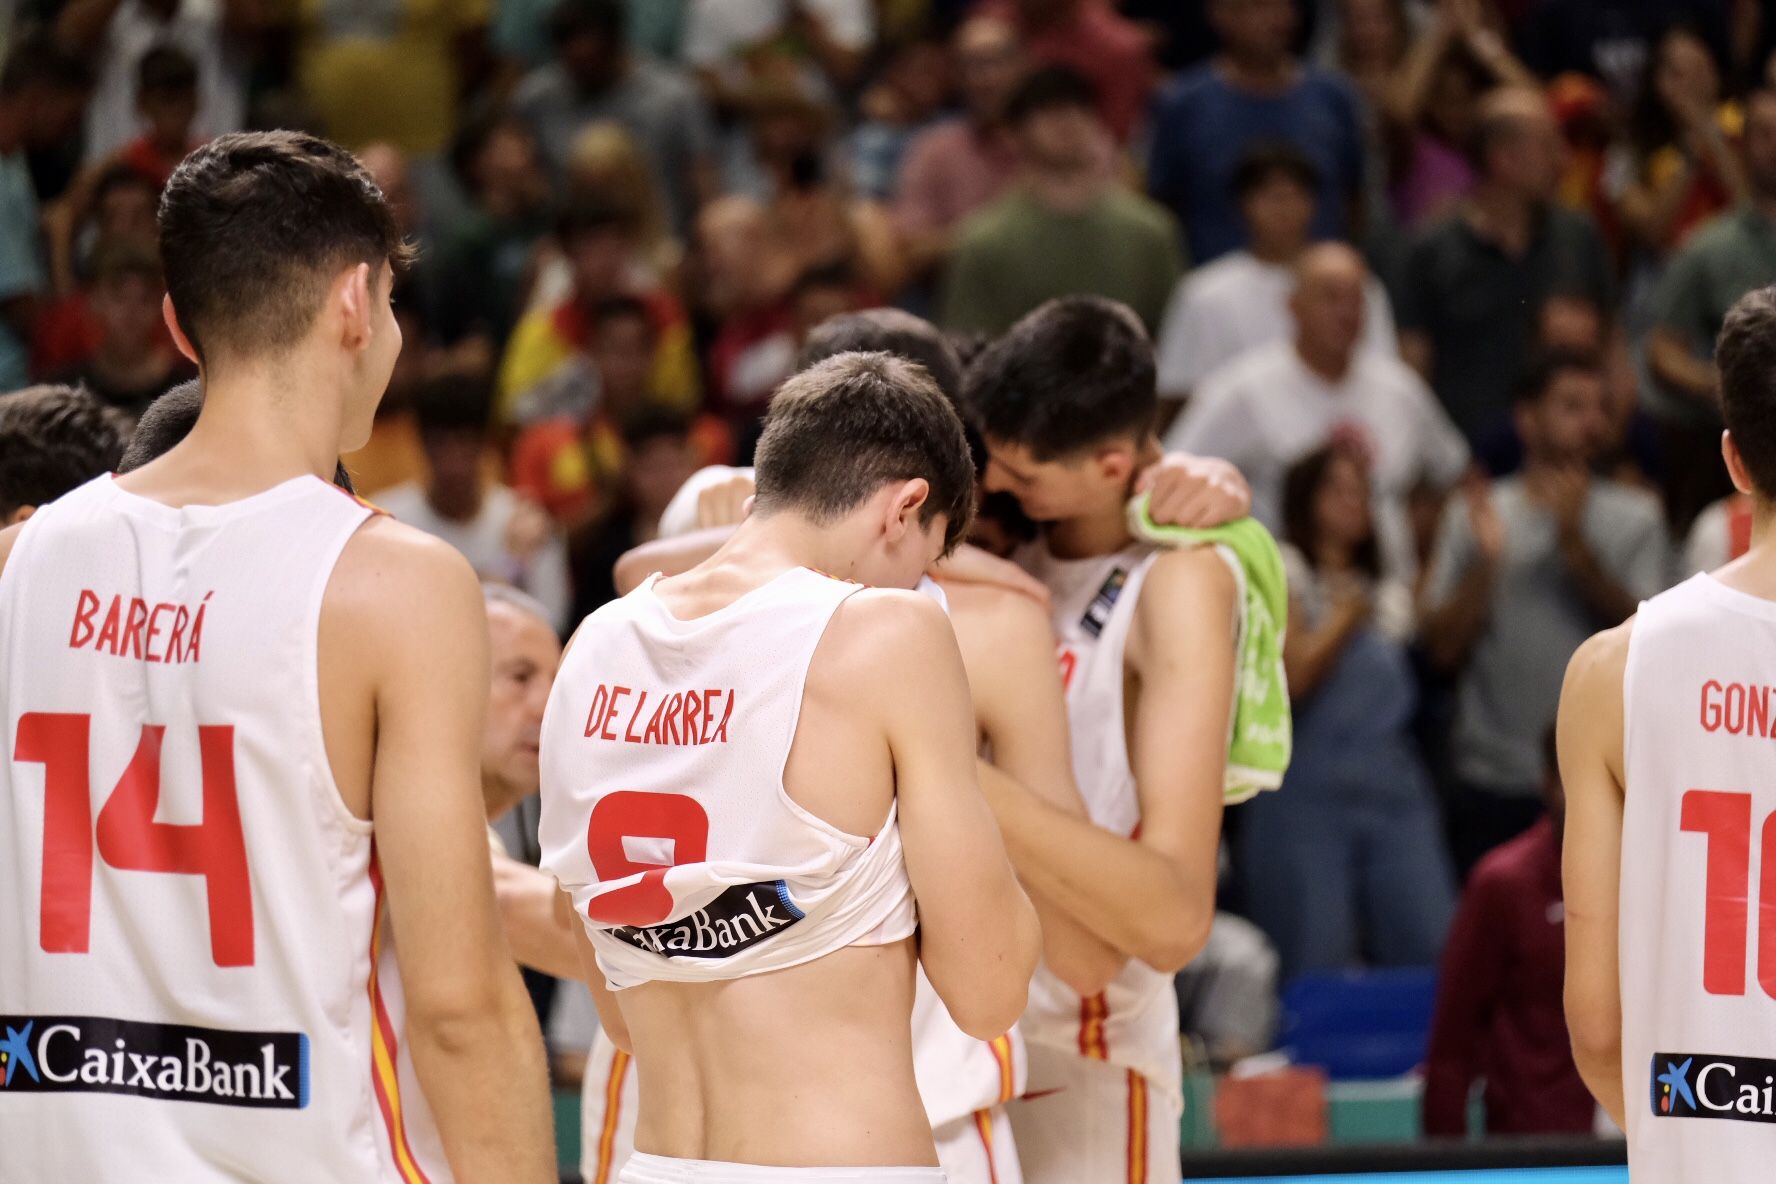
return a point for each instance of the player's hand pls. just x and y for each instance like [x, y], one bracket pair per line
[971, 565]
[727, 502]
[1197, 492]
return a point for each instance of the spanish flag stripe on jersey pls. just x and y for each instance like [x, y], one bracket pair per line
[384, 1051]
[1137, 1131]
[613, 1105]
[1003, 1054]
[983, 1124]
[1093, 1011]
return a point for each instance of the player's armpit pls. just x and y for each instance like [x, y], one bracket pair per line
[979, 934]
[1590, 743]
[670, 557]
[408, 613]
[1181, 648]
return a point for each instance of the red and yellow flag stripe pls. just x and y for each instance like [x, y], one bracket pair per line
[1004, 1056]
[1094, 1010]
[983, 1124]
[613, 1107]
[1137, 1128]
[385, 1051]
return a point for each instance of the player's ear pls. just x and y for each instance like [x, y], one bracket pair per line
[180, 341]
[903, 507]
[1736, 464]
[1116, 462]
[353, 289]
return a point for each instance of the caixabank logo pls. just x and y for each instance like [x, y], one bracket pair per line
[1698, 1085]
[52, 1054]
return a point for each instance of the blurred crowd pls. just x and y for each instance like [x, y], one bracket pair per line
[1441, 276]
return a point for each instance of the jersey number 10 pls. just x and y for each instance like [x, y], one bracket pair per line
[127, 836]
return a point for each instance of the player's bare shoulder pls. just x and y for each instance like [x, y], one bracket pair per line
[1191, 588]
[1591, 699]
[396, 587]
[988, 614]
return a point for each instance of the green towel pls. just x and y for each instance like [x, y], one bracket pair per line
[1261, 733]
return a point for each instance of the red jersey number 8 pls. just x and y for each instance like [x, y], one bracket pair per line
[633, 814]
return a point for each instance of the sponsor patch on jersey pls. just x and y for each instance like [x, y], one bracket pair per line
[71, 1054]
[1097, 613]
[1701, 1085]
[739, 918]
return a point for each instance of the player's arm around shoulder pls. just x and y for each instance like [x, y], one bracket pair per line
[1181, 647]
[403, 625]
[979, 938]
[1589, 737]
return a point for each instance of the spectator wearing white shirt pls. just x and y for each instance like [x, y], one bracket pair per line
[1276, 403]
[1241, 300]
[505, 538]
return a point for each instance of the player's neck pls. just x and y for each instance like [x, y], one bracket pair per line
[1102, 533]
[765, 547]
[260, 428]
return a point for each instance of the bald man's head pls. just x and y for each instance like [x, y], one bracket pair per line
[1328, 304]
[1518, 144]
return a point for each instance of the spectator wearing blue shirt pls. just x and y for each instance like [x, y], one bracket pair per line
[42, 94]
[1254, 91]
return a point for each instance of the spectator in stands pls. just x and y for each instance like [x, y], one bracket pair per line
[484, 264]
[1436, 105]
[525, 654]
[741, 284]
[117, 35]
[1723, 260]
[504, 538]
[1324, 867]
[1272, 405]
[811, 216]
[1254, 91]
[1476, 282]
[1521, 575]
[599, 242]
[393, 70]
[1094, 40]
[1241, 300]
[908, 94]
[52, 439]
[166, 99]
[41, 92]
[595, 76]
[1499, 1020]
[660, 457]
[1687, 163]
[605, 164]
[133, 361]
[1067, 227]
[953, 169]
[1611, 39]
[733, 45]
[569, 457]
[119, 206]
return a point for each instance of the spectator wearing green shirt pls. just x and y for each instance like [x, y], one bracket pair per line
[1066, 227]
[1722, 261]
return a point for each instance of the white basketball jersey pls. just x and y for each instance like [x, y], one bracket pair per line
[196, 982]
[1134, 1021]
[664, 812]
[1698, 904]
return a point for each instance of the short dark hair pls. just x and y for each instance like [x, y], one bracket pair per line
[53, 439]
[1048, 88]
[841, 429]
[1265, 162]
[576, 18]
[1076, 372]
[1745, 358]
[888, 331]
[252, 227]
[39, 60]
[120, 176]
[166, 69]
[452, 403]
[1538, 376]
[169, 419]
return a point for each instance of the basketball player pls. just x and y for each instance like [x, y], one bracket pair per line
[720, 754]
[1664, 740]
[52, 439]
[238, 756]
[1066, 402]
[1008, 655]
[169, 419]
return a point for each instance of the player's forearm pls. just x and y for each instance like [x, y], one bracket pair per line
[1126, 894]
[1077, 956]
[486, 1078]
[1601, 1071]
[980, 954]
[527, 913]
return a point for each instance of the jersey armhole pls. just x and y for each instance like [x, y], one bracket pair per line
[334, 807]
[795, 726]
